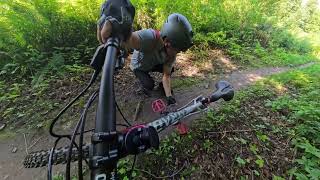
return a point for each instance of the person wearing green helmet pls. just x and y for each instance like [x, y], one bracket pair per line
[155, 51]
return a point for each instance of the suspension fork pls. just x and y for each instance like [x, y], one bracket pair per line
[103, 153]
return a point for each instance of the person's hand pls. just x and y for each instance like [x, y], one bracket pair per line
[116, 19]
[171, 105]
[170, 100]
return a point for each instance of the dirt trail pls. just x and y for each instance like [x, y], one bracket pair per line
[11, 167]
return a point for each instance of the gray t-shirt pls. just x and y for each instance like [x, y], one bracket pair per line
[151, 52]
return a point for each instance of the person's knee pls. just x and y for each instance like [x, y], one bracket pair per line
[146, 81]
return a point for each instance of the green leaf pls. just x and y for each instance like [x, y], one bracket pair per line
[301, 176]
[256, 172]
[260, 162]
[134, 174]
[122, 171]
[243, 178]
[274, 177]
[313, 172]
[310, 149]
[253, 148]
[262, 137]
[241, 161]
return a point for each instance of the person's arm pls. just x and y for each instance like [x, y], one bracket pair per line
[166, 78]
[166, 81]
[99, 35]
[132, 42]
[117, 13]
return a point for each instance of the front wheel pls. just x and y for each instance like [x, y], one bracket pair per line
[41, 158]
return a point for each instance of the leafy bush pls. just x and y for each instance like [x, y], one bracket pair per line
[253, 32]
[302, 106]
[32, 30]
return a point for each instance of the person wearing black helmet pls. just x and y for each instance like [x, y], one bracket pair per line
[155, 51]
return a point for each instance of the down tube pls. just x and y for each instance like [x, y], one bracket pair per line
[171, 118]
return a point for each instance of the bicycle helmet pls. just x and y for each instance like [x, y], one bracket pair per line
[178, 31]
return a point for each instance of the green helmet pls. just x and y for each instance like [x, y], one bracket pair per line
[178, 31]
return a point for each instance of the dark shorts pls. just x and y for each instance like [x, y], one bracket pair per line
[144, 77]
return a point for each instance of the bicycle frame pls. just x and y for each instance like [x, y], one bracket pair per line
[174, 117]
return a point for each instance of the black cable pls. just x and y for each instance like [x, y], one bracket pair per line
[122, 114]
[93, 78]
[82, 117]
[67, 176]
[83, 121]
[124, 125]
[132, 168]
[50, 158]
[133, 164]
[51, 155]
[90, 130]
[125, 119]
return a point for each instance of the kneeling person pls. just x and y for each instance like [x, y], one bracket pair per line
[155, 51]
[158, 50]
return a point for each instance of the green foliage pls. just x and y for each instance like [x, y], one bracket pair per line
[254, 149]
[262, 137]
[11, 94]
[207, 145]
[259, 161]
[45, 24]
[302, 109]
[185, 82]
[274, 177]
[253, 32]
[124, 168]
[32, 30]
[241, 161]
[61, 177]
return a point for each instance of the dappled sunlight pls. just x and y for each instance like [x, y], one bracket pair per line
[187, 66]
[301, 80]
[254, 77]
[221, 62]
[203, 63]
[227, 63]
[280, 89]
[278, 86]
[191, 71]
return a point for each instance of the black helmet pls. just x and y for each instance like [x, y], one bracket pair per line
[178, 31]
